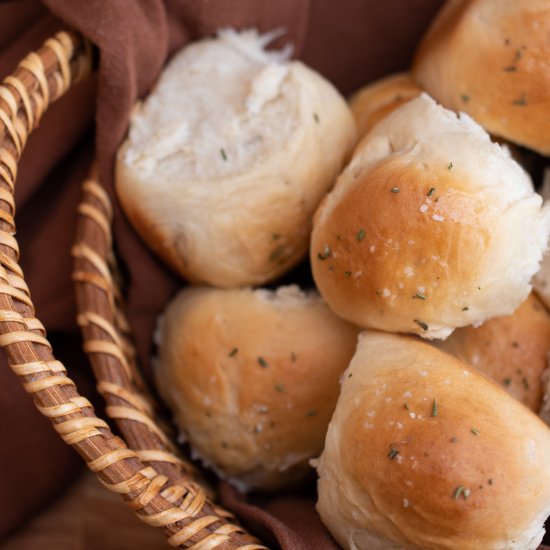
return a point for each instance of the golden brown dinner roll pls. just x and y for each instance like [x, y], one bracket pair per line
[426, 453]
[430, 227]
[252, 378]
[490, 59]
[228, 158]
[512, 350]
[376, 100]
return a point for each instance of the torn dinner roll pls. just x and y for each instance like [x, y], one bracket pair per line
[425, 453]
[228, 158]
[252, 378]
[430, 227]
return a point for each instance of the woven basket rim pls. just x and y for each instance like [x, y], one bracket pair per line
[107, 341]
[176, 503]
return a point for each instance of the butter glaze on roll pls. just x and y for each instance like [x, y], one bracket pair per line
[228, 158]
[425, 453]
[252, 379]
[430, 227]
[489, 59]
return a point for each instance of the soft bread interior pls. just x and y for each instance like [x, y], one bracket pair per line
[213, 118]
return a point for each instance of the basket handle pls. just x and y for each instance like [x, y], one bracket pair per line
[40, 79]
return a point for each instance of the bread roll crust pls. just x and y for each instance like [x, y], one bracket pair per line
[378, 99]
[490, 60]
[426, 453]
[406, 259]
[227, 197]
[423, 226]
[511, 350]
[236, 368]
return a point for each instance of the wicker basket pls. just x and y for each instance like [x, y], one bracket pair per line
[146, 469]
[160, 486]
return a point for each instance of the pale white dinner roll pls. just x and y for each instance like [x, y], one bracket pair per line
[490, 59]
[430, 227]
[378, 99]
[252, 378]
[512, 350]
[228, 158]
[426, 453]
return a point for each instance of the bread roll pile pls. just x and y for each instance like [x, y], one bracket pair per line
[224, 165]
[426, 237]
[421, 446]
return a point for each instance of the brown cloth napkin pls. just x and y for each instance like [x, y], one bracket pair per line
[351, 42]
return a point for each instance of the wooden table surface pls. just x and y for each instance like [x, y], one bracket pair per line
[87, 517]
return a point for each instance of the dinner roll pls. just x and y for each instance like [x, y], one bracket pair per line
[490, 59]
[512, 350]
[252, 378]
[430, 227]
[376, 100]
[228, 158]
[425, 453]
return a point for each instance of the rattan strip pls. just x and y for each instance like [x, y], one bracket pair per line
[89, 318]
[115, 343]
[146, 496]
[23, 94]
[133, 485]
[174, 493]
[9, 100]
[93, 279]
[119, 348]
[99, 247]
[12, 316]
[154, 455]
[37, 367]
[7, 158]
[93, 188]
[22, 101]
[129, 413]
[96, 287]
[97, 215]
[89, 254]
[134, 399]
[63, 410]
[10, 127]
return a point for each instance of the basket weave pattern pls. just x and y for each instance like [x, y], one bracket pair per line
[157, 484]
